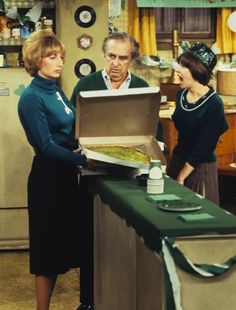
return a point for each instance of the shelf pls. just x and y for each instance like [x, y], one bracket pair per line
[11, 42]
[14, 45]
[28, 4]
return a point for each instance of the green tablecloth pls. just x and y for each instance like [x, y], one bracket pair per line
[128, 199]
[159, 228]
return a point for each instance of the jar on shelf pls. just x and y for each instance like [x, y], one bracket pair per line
[15, 31]
[5, 27]
[25, 31]
[38, 25]
[47, 23]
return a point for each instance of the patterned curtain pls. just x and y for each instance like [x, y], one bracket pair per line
[142, 28]
[225, 38]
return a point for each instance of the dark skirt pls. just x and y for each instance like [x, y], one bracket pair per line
[203, 180]
[53, 216]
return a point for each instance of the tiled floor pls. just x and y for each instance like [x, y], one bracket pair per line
[17, 285]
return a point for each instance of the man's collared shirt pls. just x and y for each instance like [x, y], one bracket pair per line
[107, 80]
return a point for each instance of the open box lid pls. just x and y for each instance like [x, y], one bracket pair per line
[128, 117]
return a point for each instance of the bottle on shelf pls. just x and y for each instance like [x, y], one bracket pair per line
[15, 31]
[20, 59]
[38, 25]
[3, 60]
[26, 29]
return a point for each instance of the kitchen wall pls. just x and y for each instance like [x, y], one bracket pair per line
[68, 30]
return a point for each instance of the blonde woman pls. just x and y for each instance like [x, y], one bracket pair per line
[48, 118]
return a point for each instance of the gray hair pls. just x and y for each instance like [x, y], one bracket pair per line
[123, 36]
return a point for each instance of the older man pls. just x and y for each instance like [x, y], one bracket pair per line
[119, 50]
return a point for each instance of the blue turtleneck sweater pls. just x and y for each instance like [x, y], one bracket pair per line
[48, 117]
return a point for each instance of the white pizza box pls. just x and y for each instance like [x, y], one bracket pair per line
[119, 117]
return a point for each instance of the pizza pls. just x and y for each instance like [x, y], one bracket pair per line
[121, 152]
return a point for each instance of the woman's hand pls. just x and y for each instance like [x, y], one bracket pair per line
[78, 150]
[184, 173]
[179, 180]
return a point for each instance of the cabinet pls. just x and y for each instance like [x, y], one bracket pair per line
[226, 146]
[15, 162]
[195, 24]
[16, 154]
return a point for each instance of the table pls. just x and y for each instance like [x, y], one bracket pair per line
[129, 236]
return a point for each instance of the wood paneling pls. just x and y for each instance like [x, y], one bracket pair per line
[226, 146]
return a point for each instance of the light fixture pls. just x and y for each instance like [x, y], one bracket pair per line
[232, 21]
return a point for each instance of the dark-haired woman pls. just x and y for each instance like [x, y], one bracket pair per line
[200, 120]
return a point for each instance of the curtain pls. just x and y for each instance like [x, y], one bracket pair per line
[142, 27]
[225, 38]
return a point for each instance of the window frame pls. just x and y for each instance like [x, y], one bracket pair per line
[164, 39]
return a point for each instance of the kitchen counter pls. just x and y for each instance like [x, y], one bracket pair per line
[226, 146]
[131, 237]
[169, 110]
